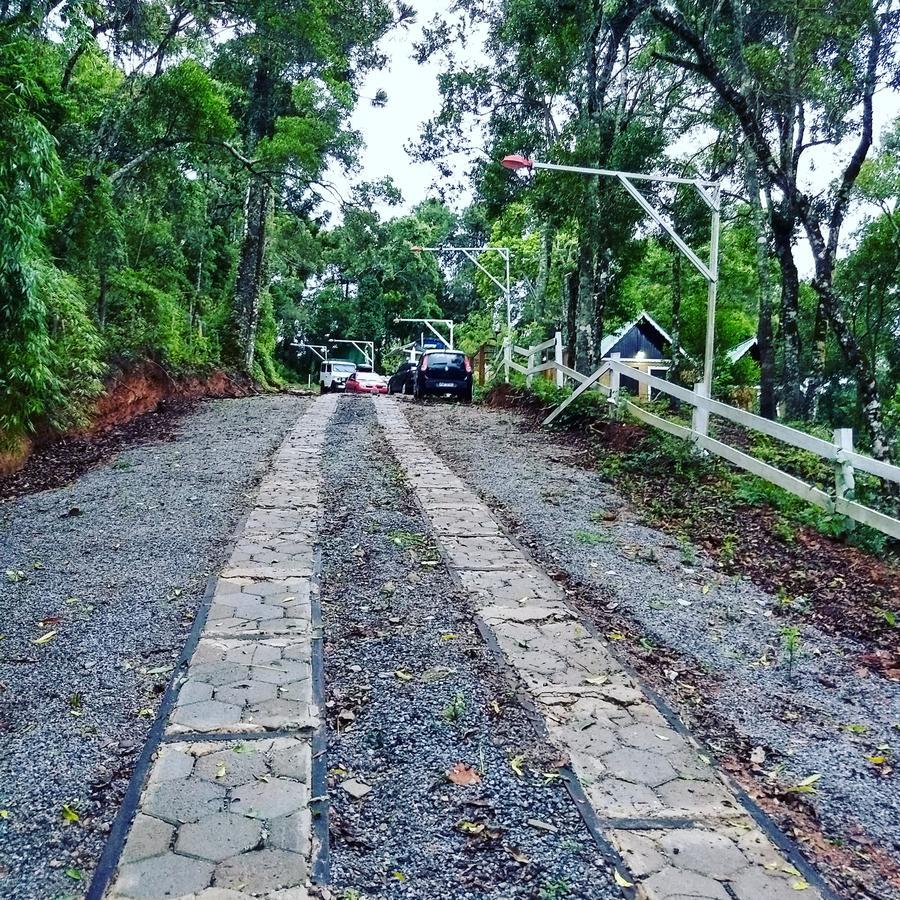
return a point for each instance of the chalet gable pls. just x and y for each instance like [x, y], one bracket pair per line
[641, 338]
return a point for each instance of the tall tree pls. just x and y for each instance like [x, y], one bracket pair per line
[797, 77]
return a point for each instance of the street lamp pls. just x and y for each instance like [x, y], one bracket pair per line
[711, 194]
[469, 253]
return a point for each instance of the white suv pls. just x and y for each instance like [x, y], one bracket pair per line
[333, 374]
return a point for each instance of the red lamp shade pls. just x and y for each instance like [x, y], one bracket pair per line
[516, 162]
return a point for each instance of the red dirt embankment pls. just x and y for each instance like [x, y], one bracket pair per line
[129, 394]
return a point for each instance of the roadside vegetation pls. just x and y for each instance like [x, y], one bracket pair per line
[846, 579]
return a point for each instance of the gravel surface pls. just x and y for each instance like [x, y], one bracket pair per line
[114, 567]
[413, 690]
[723, 628]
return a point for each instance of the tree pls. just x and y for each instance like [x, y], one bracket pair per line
[837, 56]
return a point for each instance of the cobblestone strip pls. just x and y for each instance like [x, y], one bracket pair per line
[225, 811]
[674, 820]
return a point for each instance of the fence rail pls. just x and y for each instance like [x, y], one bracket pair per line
[840, 453]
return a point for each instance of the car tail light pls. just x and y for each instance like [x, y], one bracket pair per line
[468, 364]
[424, 363]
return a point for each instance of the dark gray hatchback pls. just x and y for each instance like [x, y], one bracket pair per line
[443, 373]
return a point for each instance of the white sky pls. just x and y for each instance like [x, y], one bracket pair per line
[413, 98]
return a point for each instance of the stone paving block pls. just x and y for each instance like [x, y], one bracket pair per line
[672, 883]
[168, 875]
[266, 870]
[249, 685]
[754, 883]
[219, 836]
[236, 823]
[148, 837]
[639, 766]
[639, 852]
[521, 586]
[702, 851]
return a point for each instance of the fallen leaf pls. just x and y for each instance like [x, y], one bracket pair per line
[467, 827]
[69, 815]
[74, 874]
[460, 773]
[403, 675]
[542, 826]
[516, 765]
[449, 637]
[398, 876]
[518, 856]
[221, 770]
[799, 885]
[620, 881]
[45, 638]
[597, 680]
[4, 813]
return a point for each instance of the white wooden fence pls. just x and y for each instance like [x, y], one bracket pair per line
[839, 452]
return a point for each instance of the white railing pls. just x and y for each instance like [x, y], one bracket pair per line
[839, 452]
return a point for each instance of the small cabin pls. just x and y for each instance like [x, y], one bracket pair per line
[644, 344]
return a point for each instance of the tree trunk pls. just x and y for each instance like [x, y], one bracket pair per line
[764, 343]
[571, 296]
[251, 270]
[251, 266]
[675, 331]
[543, 275]
[859, 364]
[789, 315]
[816, 378]
[101, 297]
[585, 304]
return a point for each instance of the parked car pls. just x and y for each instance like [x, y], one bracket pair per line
[333, 374]
[401, 382]
[365, 383]
[443, 373]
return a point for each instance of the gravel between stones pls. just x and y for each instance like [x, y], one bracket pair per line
[410, 692]
[116, 564]
[722, 627]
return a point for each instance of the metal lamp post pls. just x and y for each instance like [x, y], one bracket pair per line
[470, 254]
[709, 191]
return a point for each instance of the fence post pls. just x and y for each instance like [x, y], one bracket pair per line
[558, 359]
[529, 379]
[844, 479]
[615, 384]
[700, 417]
[507, 357]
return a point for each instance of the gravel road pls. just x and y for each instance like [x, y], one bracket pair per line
[114, 567]
[412, 691]
[827, 717]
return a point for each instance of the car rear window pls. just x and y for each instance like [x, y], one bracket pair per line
[445, 359]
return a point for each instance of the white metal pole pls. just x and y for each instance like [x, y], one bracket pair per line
[508, 298]
[712, 292]
[452, 345]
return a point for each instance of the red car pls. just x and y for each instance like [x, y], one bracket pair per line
[366, 383]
